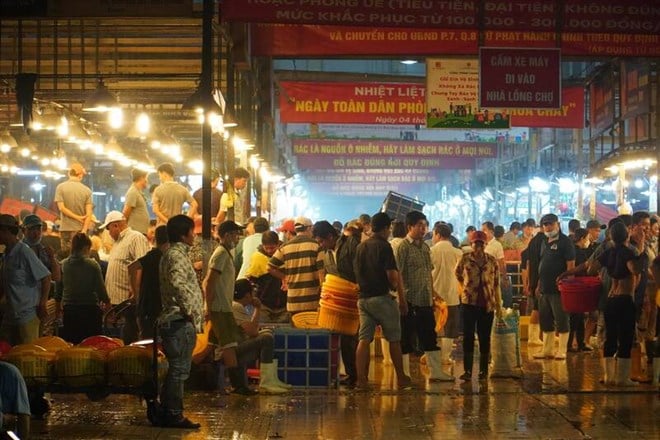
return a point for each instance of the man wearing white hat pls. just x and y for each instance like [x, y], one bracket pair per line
[129, 245]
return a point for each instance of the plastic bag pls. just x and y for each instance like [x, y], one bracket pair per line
[505, 346]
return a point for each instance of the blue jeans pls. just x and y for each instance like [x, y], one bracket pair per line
[178, 339]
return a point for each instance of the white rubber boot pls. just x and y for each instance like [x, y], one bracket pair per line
[446, 345]
[609, 370]
[563, 344]
[548, 346]
[434, 361]
[385, 349]
[533, 331]
[277, 379]
[406, 364]
[655, 380]
[268, 376]
[623, 367]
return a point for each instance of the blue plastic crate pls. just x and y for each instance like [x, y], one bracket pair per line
[307, 358]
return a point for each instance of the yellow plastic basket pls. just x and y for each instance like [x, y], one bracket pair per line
[307, 320]
[131, 366]
[339, 319]
[80, 367]
[36, 366]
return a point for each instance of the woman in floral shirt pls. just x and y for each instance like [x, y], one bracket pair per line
[478, 276]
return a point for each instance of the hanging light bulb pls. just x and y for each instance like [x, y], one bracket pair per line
[101, 99]
[63, 127]
[116, 118]
[143, 124]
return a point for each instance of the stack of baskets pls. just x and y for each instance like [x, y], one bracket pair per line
[338, 312]
[580, 294]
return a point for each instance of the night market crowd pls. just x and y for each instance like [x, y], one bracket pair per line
[403, 269]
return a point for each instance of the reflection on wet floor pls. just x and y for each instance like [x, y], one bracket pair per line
[554, 400]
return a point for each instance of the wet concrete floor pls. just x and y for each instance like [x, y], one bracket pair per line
[553, 400]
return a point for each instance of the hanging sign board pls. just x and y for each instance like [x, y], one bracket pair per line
[452, 98]
[519, 78]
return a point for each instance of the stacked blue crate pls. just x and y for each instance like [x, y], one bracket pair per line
[307, 358]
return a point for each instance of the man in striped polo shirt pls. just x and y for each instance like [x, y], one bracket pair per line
[299, 264]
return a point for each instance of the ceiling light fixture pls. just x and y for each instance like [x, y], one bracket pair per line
[101, 100]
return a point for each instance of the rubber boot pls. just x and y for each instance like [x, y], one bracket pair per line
[434, 360]
[446, 345]
[548, 346]
[268, 380]
[561, 348]
[656, 372]
[609, 368]
[406, 364]
[385, 349]
[277, 379]
[636, 372]
[483, 366]
[468, 359]
[533, 332]
[623, 367]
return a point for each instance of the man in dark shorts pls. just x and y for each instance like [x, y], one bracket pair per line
[376, 273]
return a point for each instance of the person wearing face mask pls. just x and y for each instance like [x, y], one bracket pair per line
[557, 256]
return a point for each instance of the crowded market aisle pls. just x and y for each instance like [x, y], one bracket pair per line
[554, 400]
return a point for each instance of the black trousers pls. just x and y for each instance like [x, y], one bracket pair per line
[80, 322]
[577, 329]
[418, 326]
[619, 326]
[477, 318]
[348, 344]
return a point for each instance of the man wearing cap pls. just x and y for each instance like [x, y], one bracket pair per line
[32, 236]
[135, 207]
[251, 244]
[74, 200]
[232, 202]
[25, 284]
[299, 263]
[557, 256]
[288, 228]
[218, 287]
[168, 197]
[129, 245]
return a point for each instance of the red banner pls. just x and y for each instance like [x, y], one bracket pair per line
[352, 103]
[601, 99]
[618, 16]
[635, 88]
[309, 40]
[519, 78]
[570, 115]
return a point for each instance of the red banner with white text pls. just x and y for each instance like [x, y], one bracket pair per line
[352, 103]
[279, 40]
[569, 115]
[612, 16]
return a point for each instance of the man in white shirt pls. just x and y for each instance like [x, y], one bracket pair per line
[251, 243]
[129, 245]
[232, 201]
[495, 248]
[445, 257]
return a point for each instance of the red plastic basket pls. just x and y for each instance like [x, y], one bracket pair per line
[580, 294]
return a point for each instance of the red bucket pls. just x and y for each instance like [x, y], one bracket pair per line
[580, 295]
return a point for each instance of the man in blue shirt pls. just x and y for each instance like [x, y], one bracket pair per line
[25, 285]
